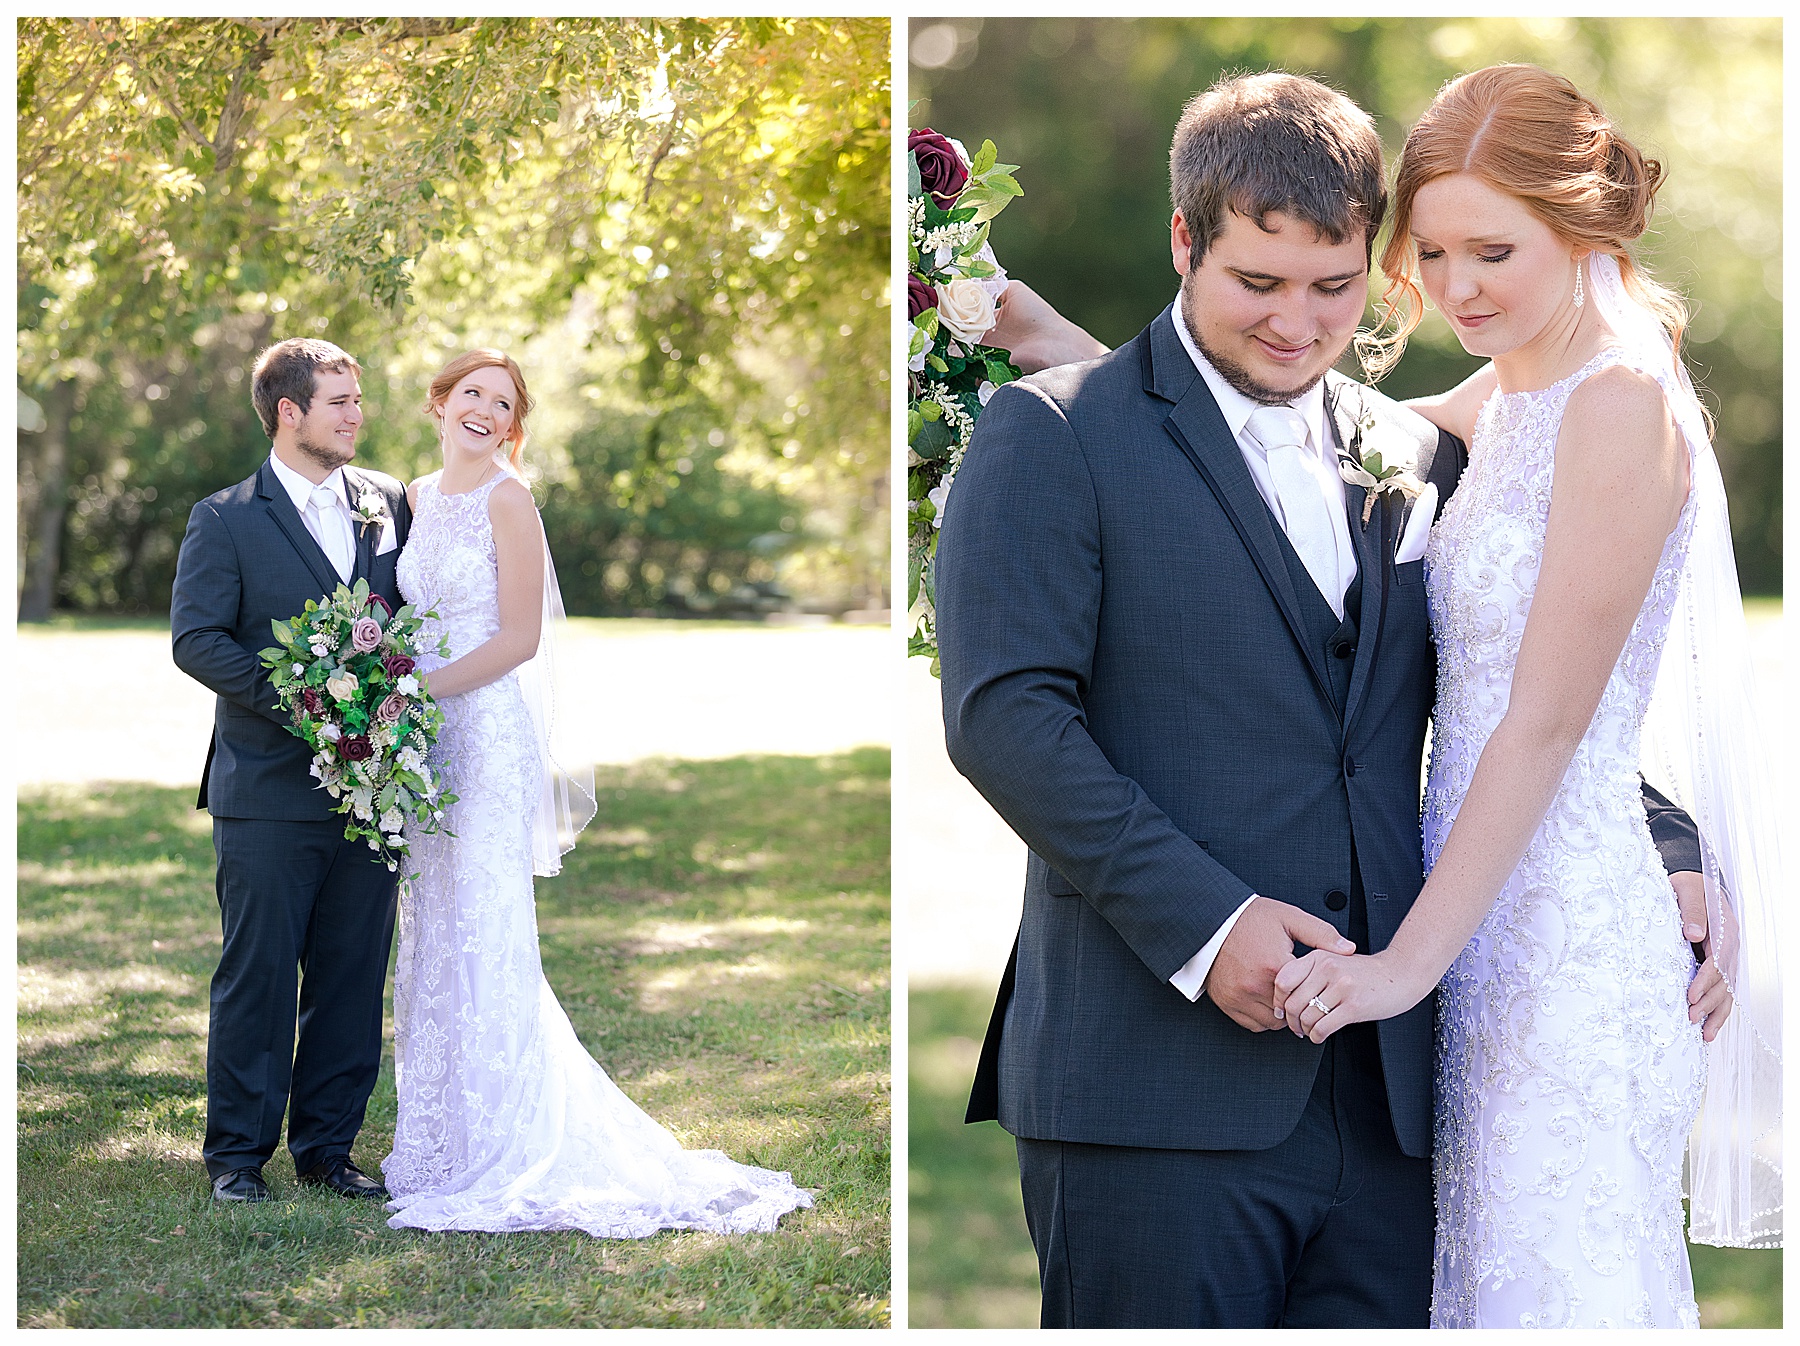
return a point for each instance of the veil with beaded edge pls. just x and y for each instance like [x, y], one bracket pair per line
[566, 804]
[1706, 748]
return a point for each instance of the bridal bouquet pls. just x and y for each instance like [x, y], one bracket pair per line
[345, 672]
[952, 285]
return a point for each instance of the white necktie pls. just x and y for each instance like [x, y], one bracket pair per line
[331, 528]
[1300, 496]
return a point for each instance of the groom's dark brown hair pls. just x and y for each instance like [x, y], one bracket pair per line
[1253, 144]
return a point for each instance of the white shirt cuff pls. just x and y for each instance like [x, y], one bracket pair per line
[1191, 980]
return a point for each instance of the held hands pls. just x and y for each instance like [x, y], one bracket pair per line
[1242, 979]
[1322, 992]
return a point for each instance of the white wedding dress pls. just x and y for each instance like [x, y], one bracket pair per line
[1568, 1075]
[505, 1121]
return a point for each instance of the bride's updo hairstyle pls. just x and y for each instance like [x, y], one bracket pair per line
[1534, 136]
[467, 363]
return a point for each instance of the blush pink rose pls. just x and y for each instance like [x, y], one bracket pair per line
[365, 634]
[392, 707]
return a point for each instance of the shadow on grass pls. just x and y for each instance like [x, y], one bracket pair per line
[972, 1263]
[720, 943]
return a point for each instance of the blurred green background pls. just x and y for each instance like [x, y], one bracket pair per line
[679, 227]
[1086, 107]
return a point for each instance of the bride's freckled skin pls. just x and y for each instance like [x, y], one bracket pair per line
[1501, 277]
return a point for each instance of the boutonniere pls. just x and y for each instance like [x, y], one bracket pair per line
[370, 508]
[1375, 477]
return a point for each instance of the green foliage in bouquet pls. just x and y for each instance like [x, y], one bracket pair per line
[951, 374]
[346, 673]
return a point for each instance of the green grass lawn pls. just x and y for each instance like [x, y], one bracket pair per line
[971, 1259]
[719, 939]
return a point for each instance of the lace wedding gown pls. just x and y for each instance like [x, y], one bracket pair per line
[1568, 1075]
[506, 1123]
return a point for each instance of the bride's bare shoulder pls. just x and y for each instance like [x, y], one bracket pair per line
[1456, 409]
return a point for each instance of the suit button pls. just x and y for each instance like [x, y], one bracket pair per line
[1343, 649]
[1335, 900]
[1349, 766]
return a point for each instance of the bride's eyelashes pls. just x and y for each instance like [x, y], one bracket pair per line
[1432, 254]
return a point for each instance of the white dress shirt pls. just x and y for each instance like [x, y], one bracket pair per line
[332, 528]
[1236, 409]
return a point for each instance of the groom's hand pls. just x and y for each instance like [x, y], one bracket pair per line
[1709, 998]
[1242, 979]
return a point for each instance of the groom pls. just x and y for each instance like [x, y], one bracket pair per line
[308, 917]
[1192, 668]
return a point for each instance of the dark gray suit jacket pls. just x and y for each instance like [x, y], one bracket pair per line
[1127, 679]
[247, 560]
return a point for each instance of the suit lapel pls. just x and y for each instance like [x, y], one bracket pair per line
[367, 535]
[1372, 542]
[287, 518]
[1200, 432]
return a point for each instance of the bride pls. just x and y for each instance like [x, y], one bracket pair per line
[505, 1122]
[1584, 602]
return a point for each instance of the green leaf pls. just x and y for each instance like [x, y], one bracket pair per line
[914, 185]
[984, 158]
[934, 440]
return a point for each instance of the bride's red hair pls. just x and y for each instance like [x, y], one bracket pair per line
[467, 363]
[1539, 139]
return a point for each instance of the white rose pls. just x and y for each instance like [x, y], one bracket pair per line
[330, 733]
[299, 670]
[369, 502]
[391, 821]
[966, 309]
[986, 391]
[407, 685]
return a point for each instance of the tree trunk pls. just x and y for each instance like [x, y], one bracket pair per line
[43, 552]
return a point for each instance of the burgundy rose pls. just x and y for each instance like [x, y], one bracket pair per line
[392, 707]
[377, 601]
[398, 665]
[941, 169]
[356, 748]
[312, 701]
[365, 634]
[919, 297]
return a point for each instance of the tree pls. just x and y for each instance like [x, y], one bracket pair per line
[705, 197]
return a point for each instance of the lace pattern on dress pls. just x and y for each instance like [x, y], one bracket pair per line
[1567, 1075]
[505, 1121]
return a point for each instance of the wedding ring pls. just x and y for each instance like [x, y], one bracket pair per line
[1319, 1005]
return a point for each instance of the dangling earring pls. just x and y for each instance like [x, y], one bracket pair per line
[1580, 298]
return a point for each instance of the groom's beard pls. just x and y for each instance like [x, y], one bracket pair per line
[1241, 379]
[326, 452]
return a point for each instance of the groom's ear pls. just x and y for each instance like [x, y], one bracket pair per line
[1181, 243]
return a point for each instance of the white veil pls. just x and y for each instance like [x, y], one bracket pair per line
[566, 804]
[1707, 749]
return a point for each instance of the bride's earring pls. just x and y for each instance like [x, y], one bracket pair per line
[1580, 298]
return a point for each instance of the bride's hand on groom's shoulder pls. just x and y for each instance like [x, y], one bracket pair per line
[1322, 992]
[1036, 335]
[1242, 979]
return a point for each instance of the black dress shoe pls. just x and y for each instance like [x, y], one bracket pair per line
[241, 1184]
[343, 1177]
